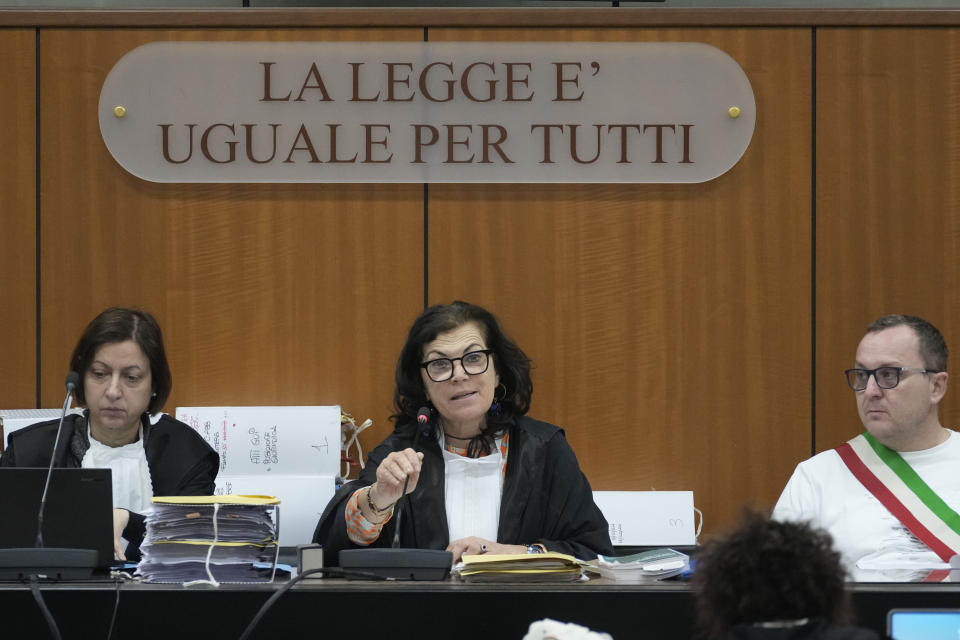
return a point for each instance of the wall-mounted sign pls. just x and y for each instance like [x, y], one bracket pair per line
[426, 112]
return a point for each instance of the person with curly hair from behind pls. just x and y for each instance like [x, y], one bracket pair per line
[769, 580]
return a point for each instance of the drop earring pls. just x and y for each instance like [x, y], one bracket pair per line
[494, 409]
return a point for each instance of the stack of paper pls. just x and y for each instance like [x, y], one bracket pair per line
[290, 452]
[522, 567]
[213, 539]
[655, 564]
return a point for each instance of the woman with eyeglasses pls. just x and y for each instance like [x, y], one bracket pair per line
[483, 477]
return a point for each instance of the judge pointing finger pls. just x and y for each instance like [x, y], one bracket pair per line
[482, 477]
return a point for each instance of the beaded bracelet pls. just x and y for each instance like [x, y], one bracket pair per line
[372, 506]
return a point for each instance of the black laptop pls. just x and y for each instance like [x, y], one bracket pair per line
[78, 515]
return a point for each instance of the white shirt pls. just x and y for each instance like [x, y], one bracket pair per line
[132, 487]
[824, 492]
[472, 489]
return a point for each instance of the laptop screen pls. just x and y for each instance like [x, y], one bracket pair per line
[78, 515]
[924, 624]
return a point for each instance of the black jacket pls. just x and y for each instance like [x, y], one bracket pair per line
[814, 630]
[180, 460]
[546, 498]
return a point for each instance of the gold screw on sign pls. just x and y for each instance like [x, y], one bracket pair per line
[119, 111]
[733, 112]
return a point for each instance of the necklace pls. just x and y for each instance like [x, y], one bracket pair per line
[447, 435]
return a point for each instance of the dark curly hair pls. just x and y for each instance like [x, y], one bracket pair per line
[119, 324]
[509, 361]
[767, 570]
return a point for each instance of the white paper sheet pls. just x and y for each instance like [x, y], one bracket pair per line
[648, 518]
[270, 440]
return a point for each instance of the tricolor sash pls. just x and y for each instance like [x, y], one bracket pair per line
[938, 575]
[905, 495]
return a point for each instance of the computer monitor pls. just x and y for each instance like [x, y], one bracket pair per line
[924, 624]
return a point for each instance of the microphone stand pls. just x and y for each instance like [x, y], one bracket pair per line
[421, 427]
[398, 563]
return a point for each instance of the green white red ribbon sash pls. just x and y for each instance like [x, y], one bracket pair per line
[938, 575]
[905, 495]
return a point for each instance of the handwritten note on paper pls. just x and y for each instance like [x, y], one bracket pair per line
[648, 518]
[292, 453]
[270, 440]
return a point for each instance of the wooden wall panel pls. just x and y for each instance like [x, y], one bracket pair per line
[669, 325]
[268, 294]
[888, 197]
[18, 291]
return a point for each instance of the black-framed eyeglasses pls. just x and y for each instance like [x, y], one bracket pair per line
[886, 377]
[474, 363]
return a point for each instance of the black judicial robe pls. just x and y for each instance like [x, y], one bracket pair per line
[814, 630]
[546, 498]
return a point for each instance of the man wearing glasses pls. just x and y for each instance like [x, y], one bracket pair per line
[890, 496]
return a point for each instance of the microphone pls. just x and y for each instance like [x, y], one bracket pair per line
[73, 379]
[423, 419]
[423, 427]
[397, 563]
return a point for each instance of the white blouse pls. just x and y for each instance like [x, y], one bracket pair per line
[472, 492]
[132, 488]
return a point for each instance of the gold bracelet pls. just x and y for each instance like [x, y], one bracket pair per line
[372, 506]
